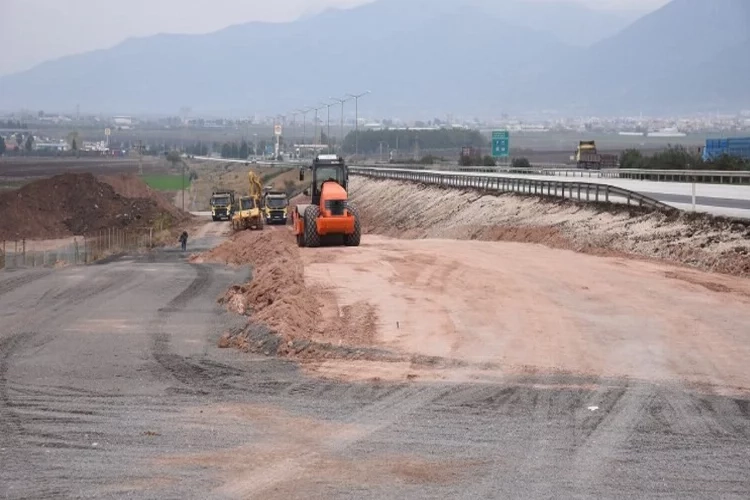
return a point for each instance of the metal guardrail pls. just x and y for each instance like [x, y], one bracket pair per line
[572, 190]
[700, 176]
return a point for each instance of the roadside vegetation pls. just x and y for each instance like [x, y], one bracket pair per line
[167, 182]
[371, 141]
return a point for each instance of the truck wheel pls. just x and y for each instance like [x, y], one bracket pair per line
[312, 238]
[352, 240]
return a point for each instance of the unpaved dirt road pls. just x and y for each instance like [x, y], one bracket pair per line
[501, 308]
[111, 386]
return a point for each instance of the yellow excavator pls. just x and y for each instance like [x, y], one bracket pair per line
[248, 214]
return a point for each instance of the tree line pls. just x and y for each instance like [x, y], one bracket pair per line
[23, 144]
[370, 141]
[13, 125]
[680, 158]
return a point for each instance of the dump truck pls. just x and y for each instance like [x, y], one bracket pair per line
[222, 205]
[249, 207]
[275, 207]
[329, 218]
[587, 157]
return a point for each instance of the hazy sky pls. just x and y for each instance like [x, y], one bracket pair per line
[32, 31]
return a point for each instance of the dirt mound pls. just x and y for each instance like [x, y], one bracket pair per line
[278, 297]
[132, 186]
[72, 204]
[411, 211]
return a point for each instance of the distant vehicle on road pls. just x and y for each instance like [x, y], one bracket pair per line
[587, 157]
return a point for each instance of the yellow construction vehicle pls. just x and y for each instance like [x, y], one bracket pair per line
[248, 214]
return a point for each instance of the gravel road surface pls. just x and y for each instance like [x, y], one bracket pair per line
[111, 386]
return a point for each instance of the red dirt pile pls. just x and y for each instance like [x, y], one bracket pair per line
[73, 204]
[277, 297]
[276, 294]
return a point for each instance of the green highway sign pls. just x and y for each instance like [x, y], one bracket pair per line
[500, 143]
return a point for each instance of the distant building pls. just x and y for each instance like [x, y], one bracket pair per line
[51, 146]
[122, 121]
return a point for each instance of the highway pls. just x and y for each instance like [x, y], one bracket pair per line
[716, 199]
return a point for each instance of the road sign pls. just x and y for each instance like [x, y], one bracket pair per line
[277, 130]
[500, 143]
[107, 132]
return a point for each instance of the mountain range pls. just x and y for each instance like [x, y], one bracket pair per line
[420, 58]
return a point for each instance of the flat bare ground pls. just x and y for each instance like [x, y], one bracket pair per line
[500, 308]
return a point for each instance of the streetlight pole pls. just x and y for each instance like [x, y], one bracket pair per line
[342, 101]
[328, 123]
[356, 119]
[315, 138]
[294, 122]
[304, 112]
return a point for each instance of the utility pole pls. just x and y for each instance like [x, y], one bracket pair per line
[356, 119]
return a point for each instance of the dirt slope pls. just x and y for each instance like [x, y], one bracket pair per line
[411, 211]
[278, 297]
[131, 186]
[73, 204]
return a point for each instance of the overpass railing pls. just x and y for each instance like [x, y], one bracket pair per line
[571, 190]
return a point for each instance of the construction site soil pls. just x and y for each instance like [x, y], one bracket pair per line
[552, 289]
[82, 204]
[288, 317]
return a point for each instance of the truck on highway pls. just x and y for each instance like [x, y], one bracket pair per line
[733, 146]
[222, 205]
[587, 157]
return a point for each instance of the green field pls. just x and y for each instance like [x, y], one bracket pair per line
[166, 182]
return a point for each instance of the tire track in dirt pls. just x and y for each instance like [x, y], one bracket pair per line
[194, 376]
[10, 422]
[383, 412]
[27, 334]
[14, 282]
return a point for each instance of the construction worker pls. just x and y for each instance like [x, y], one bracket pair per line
[183, 240]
